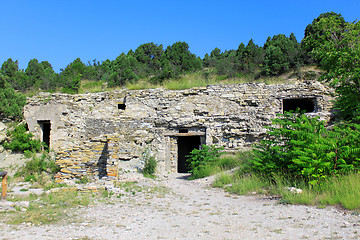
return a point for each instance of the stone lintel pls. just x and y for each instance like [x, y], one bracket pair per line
[189, 134]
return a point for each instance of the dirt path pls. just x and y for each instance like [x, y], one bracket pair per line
[181, 209]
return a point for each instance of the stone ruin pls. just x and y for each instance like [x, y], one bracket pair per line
[104, 135]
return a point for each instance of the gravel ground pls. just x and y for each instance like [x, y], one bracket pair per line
[182, 209]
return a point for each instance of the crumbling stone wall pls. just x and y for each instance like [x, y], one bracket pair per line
[99, 135]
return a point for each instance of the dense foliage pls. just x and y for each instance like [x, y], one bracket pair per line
[299, 146]
[11, 102]
[281, 54]
[335, 44]
[20, 140]
[199, 159]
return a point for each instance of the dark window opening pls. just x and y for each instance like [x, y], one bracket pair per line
[304, 104]
[185, 146]
[183, 130]
[46, 128]
[121, 106]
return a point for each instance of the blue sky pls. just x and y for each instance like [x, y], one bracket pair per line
[61, 31]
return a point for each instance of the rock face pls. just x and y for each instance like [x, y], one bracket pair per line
[99, 135]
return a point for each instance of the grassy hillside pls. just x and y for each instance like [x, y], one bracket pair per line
[204, 78]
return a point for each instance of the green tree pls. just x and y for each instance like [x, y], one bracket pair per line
[281, 54]
[74, 69]
[249, 58]
[69, 76]
[123, 69]
[216, 54]
[337, 48]
[14, 76]
[315, 33]
[21, 140]
[50, 77]
[35, 73]
[11, 102]
[199, 159]
[150, 54]
[212, 59]
[226, 67]
[179, 55]
[73, 85]
[9, 68]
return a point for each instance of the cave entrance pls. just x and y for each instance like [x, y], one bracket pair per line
[185, 145]
[45, 126]
[305, 104]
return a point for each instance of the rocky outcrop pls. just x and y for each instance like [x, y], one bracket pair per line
[99, 135]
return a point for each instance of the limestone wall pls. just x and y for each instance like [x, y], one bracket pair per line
[105, 134]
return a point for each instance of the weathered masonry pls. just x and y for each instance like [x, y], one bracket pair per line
[105, 134]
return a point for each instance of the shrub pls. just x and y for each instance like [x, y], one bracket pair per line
[150, 166]
[21, 140]
[200, 159]
[301, 147]
[33, 168]
[11, 102]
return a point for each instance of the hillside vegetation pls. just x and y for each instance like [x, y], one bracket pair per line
[297, 151]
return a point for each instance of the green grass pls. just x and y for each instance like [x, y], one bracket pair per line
[223, 163]
[91, 86]
[142, 84]
[222, 180]
[341, 191]
[187, 81]
[49, 208]
[246, 185]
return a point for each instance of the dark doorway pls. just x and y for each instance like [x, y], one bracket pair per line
[185, 145]
[46, 128]
[304, 104]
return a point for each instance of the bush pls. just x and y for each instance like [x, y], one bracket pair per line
[21, 140]
[11, 102]
[200, 160]
[301, 147]
[150, 166]
[33, 169]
